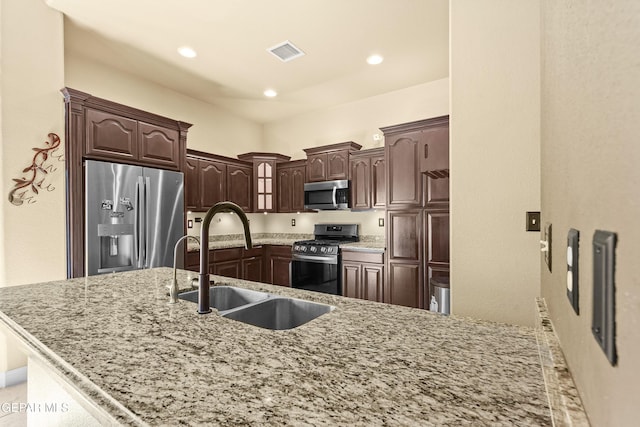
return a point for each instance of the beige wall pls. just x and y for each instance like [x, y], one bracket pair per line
[495, 159]
[214, 130]
[31, 73]
[357, 121]
[590, 180]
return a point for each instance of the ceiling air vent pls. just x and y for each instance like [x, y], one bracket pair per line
[286, 51]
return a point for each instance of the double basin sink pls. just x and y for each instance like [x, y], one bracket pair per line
[260, 308]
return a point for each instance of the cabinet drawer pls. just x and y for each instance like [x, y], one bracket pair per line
[193, 258]
[280, 250]
[358, 256]
[256, 251]
[226, 254]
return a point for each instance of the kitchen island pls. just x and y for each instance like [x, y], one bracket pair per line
[138, 360]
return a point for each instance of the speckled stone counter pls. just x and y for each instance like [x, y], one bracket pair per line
[368, 243]
[145, 362]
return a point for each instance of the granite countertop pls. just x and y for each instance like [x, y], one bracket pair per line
[367, 243]
[145, 362]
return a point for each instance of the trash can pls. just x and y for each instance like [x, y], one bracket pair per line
[440, 295]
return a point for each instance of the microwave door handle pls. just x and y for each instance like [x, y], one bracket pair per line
[333, 196]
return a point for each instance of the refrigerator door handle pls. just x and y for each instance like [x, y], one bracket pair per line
[139, 223]
[146, 222]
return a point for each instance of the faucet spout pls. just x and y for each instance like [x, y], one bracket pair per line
[203, 287]
[173, 289]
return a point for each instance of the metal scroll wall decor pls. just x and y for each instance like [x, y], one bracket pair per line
[43, 163]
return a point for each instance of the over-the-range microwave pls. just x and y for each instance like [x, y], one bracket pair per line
[327, 195]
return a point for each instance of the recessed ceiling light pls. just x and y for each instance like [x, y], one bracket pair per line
[374, 59]
[270, 93]
[187, 52]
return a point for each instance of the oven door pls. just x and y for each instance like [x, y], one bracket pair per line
[316, 273]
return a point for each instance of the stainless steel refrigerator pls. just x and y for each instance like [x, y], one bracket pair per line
[134, 217]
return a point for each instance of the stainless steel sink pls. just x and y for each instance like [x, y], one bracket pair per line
[225, 298]
[260, 308]
[279, 313]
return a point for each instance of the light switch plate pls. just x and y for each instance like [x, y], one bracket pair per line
[603, 324]
[380, 222]
[533, 221]
[573, 241]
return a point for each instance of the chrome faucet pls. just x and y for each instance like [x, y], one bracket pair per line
[203, 287]
[173, 289]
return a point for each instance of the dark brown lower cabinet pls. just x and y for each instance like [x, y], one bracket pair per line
[226, 268]
[363, 275]
[279, 265]
[238, 263]
[404, 286]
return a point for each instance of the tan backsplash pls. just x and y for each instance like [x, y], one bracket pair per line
[227, 223]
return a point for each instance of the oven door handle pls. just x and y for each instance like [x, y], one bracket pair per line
[318, 259]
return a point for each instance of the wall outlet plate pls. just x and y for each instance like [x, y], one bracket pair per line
[293, 222]
[533, 221]
[603, 324]
[573, 239]
[189, 223]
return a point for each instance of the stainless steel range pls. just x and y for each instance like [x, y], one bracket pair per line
[315, 264]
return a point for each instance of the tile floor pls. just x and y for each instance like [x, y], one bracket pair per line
[16, 393]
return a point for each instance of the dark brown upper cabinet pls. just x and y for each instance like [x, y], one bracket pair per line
[329, 162]
[412, 149]
[290, 179]
[113, 137]
[99, 129]
[265, 190]
[210, 179]
[367, 179]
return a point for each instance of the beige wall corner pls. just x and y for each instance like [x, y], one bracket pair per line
[590, 181]
[357, 121]
[495, 158]
[214, 130]
[31, 75]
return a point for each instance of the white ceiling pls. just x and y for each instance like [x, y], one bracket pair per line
[233, 67]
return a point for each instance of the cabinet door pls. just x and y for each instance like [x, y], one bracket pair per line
[404, 286]
[227, 268]
[434, 148]
[405, 239]
[265, 186]
[239, 179]
[351, 274]
[404, 232]
[378, 182]
[338, 165]
[280, 270]
[111, 136]
[372, 282]
[192, 183]
[213, 182]
[360, 183]
[158, 145]
[278, 262]
[316, 167]
[252, 268]
[297, 188]
[404, 181]
[284, 192]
